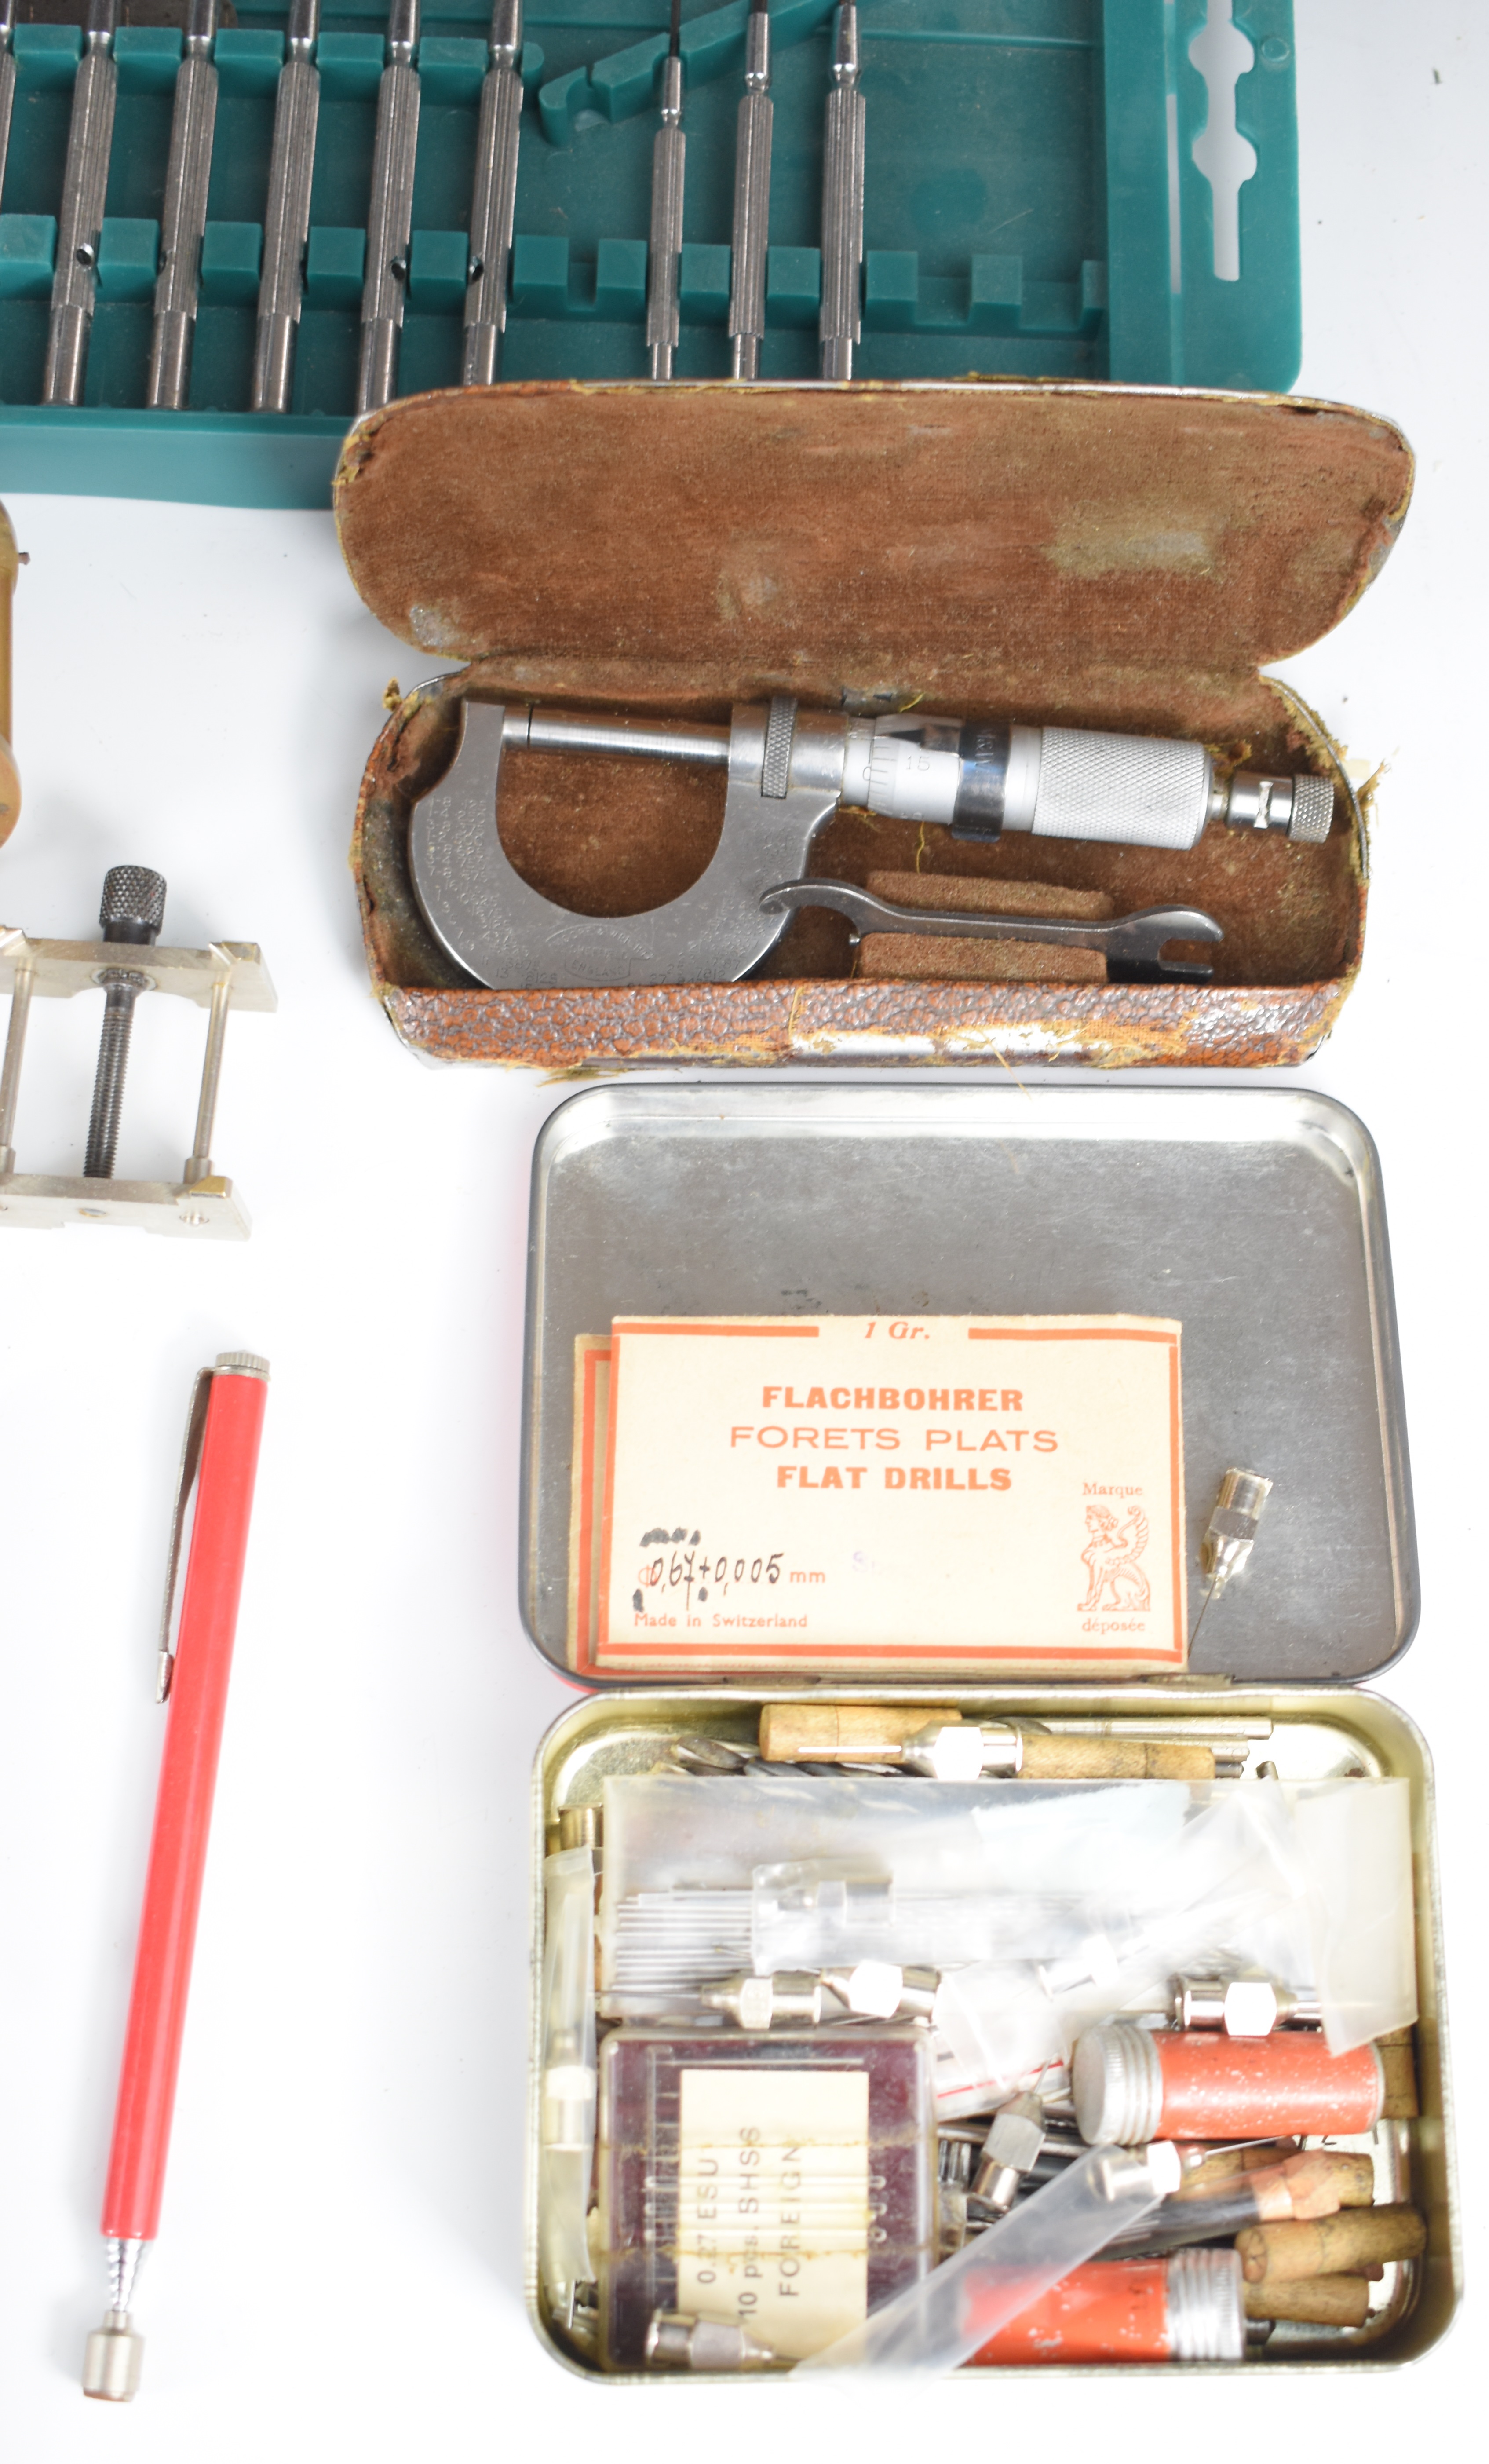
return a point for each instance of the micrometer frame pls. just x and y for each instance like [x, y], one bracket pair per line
[514, 940]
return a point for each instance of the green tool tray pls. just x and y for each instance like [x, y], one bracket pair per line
[1034, 206]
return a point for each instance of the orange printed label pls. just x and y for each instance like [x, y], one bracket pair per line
[895, 1492]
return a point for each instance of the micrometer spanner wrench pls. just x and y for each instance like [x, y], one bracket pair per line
[1132, 945]
[788, 770]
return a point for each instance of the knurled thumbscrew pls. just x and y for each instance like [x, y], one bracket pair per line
[131, 910]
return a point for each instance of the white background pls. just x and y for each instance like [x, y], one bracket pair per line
[339, 2272]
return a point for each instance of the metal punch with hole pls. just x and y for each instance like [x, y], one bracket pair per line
[126, 962]
[390, 209]
[788, 770]
[85, 177]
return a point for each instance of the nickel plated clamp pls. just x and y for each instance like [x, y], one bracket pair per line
[788, 770]
[128, 960]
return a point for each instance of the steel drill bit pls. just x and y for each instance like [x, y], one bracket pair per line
[8, 8]
[752, 199]
[287, 210]
[842, 202]
[184, 215]
[84, 183]
[676, 2340]
[132, 911]
[667, 159]
[390, 213]
[494, 196]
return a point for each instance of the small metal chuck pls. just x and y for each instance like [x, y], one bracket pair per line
[677, 2341]
[1011, 2150]
[112, 2359]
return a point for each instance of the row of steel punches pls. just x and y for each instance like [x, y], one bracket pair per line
[390, 203]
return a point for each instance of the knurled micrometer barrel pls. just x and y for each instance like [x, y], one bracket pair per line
[390, 213]
[494, 196]
[752, 200]
[1067, 782]
[669, 161]
[969, 778]
[84, 183]
[291, 162]
[842, 202]
[184, 212]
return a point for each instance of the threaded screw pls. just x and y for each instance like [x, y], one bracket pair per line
[132, 911]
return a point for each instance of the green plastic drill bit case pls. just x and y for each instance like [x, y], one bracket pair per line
[1049, 194]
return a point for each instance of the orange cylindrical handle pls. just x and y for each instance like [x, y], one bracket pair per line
[1110, 2310]
[1216, 2086]
[184, 1806]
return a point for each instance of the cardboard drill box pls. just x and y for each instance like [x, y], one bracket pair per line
[1077, 554]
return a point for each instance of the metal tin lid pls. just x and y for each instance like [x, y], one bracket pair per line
[1255, 1216]
[1013, 545]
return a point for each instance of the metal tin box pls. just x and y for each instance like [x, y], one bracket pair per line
[1073, 555]
[1255, 1216]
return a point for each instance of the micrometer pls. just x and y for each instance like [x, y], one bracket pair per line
[788, 770]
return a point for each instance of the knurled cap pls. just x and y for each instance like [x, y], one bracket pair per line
[133, 905]
[1116, 2083]
[1207, 2316]
[1313, 809]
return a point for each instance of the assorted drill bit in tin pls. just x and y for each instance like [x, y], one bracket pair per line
[749, 2011]
[1231, 1533]
[679, 2342]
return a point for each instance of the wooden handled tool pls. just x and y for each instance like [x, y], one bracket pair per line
[1338, 2245]
[1398, 2068]
[1316, 2183]
[1317, 2300]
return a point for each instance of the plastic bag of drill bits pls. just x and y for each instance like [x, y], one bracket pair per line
[682, 1856]
[1310, 1881]
[1001, 2028]
[1233, 1894]
[1083, 1898]
[1354, 1841]
[822, 1914]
